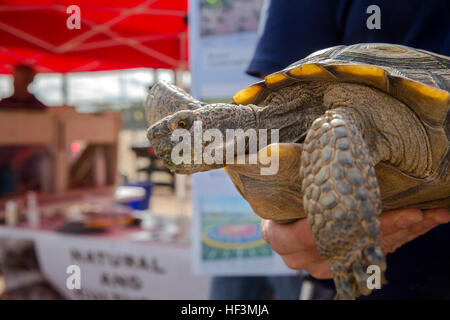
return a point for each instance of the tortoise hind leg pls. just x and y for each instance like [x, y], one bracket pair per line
[342, 200]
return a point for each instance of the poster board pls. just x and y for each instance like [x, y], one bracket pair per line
[226, 233]
[226, 237]
[222, 40]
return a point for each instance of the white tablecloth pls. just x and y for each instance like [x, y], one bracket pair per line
[114, 267]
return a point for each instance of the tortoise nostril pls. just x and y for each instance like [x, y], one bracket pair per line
[155, 132]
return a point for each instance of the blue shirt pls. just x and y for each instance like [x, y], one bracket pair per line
[296, 28]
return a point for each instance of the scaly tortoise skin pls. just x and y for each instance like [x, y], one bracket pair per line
[363, 128]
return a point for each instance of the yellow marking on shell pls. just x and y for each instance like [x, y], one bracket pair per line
[275, 78]
[247, 95]
[309, 70]
[371, 74]
[426, 91]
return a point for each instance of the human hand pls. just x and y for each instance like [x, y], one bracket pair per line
[295, 242]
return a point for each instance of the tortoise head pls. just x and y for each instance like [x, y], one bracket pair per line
[189, 135]
[165, 99]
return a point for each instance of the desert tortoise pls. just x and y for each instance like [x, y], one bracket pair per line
[365, 128]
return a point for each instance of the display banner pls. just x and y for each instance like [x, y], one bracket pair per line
[121, 270]
[105, 267]
[226, 232]
[223, 36]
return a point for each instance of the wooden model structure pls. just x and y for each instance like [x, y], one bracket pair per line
[56, 129]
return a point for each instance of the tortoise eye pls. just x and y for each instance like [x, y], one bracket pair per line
[182, 124]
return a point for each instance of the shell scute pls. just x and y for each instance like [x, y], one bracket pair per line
[250, 94]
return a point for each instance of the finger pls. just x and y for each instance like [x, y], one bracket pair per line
[288, 238]
[320, 270]
[431, 219]
[317, 266]
[399, 219]
[392, 242]
[301, 259]
[436, 216]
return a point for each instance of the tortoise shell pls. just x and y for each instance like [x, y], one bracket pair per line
[418, 78]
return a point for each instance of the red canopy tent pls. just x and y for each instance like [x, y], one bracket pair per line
[117, 34]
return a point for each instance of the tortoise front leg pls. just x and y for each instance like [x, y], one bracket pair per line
[342, 200]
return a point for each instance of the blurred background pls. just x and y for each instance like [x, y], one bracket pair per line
[87, 211]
